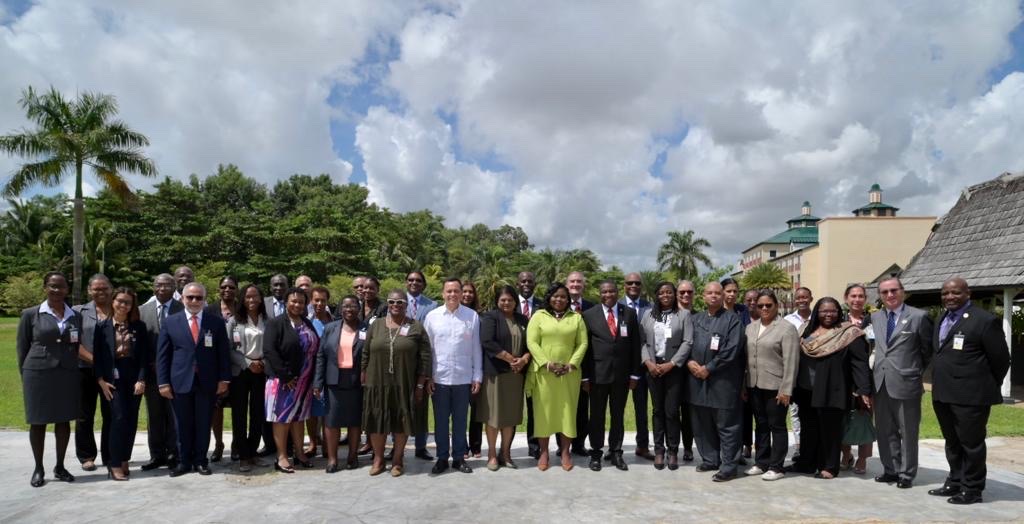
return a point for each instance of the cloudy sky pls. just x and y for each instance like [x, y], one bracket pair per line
[589, 124]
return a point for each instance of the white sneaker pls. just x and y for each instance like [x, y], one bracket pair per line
[754, 470]
[772, 475]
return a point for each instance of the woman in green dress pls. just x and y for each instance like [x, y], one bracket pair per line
[396, 366]
[557, 340]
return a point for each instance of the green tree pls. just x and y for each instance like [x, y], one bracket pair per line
[71, 135]
[765, 275]
[716, 274]
[20, 292]
[681, 254]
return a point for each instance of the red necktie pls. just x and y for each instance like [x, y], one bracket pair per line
[195, 329]
[611, 324]
[576, 305]
[526, 308]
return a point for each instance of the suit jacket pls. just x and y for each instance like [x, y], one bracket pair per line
[89, 321]
[900, 362]
[134, 368]
[679, 343]
[535, 305]
[611, 359]
[327, 371]
[147, 313]
[773, 359]
[180, 360]
[41, 346]
[584, 304]
[726, 365]
[495, 338]
[423, 306]
[645, 306]
[282, 349]
[268, 303]
[971, 376]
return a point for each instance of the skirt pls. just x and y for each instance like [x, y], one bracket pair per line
[51, 395]
[286, 405]
[344, 407]
[500, 404]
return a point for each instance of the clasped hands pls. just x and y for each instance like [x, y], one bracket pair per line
[559, 369]
[697, 370]
[657, 370]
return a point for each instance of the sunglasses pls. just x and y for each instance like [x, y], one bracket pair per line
[193, 297]
[685, 292]
[632, 282]
[396, 302]
[765, 306]
[888, 291]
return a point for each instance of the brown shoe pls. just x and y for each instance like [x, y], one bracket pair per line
[644, 453]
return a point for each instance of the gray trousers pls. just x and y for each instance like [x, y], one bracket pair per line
[719, 435]
[898, 422]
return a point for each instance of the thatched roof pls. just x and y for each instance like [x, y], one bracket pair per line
[981, 239]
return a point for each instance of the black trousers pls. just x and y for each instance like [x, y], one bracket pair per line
[667, 392]
[771, 434]
[718, 436]
[640, 395]
[476, 429]
[246, 392]
[85, 439]
[162, 435]
[964, 428]
[686, 418]
[582, 422]
[821, 435]
[120, 420]
[531, 440]
[748, 423]
[603, 396]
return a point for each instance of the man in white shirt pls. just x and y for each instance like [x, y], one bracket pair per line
[454, 332]
[799, 318]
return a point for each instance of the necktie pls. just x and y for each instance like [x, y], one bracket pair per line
[575, 305]
[526, 308]
[195, 329]
[890, 326]
[159, 316]
[278, 308]
[946, 325]
[611, 324]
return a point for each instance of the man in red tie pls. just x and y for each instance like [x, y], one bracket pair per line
[611, 368]
[193, 369]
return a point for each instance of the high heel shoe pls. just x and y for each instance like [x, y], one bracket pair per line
[218, 452]
[566, 460]
[278, 467]
[846, 464]
[62, 474]
[112, 476]
[544, 462]
[308, 464]
[38, 478]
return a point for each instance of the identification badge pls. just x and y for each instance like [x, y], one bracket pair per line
[73, 335]
[870, 332]
[714, 342]
[404, 330]
[958, 342]
[116, 374]
[208, 339]
[237, 336]
[362, 335]
[623, 331]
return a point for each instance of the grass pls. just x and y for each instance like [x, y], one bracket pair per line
[1005, 421]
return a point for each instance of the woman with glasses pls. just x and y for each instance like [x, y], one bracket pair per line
[833, 366]
[225, 309]
[773, 354]
[395, 368]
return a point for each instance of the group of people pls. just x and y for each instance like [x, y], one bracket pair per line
[725, 377]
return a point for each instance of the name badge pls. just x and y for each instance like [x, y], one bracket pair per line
[404, 330]
[362, 335]
[870, 332]
[116, 374]
[714, 342]
[73, 335]
[623, 331]
[208, 339]
[237, 336]
[958, 342]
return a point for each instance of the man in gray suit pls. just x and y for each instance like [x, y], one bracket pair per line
[275, 302]
[418, 304]
[161, 433]
[903, 342]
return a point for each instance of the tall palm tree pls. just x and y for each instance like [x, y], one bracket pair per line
[682, 252]
[766, 275]
[70, 135]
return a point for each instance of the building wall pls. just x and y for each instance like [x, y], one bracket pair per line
[760, 253]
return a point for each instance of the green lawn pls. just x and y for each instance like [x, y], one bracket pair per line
[1005, 420]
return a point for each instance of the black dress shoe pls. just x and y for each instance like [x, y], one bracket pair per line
[235, 456]
[534, 453]
[964, 498]
[580, 452]
[283, 469]
[595, 463]
[172, 463]
[688, 455]
[366, 450]
[618, 462]
[180, 470]
[944, 491]
[156, 464]
[265, 452]
[62, 474]
[204, 469]
[461, 466]
[218, 453]
[308, 463]
[439, 467]
[38, 478]
[424, 454]
[887, 478]
[706, 467]
[608, 457]
[904, 483]
[352, 464]
[332, 468]
[746, 452]
[722, 477]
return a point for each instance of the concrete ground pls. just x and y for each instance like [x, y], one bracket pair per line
[642, 494]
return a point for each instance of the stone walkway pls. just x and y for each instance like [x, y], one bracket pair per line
[642, 494]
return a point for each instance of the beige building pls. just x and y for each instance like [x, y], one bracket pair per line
[828, 254]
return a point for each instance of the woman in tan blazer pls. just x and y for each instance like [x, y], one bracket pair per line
[773, 356]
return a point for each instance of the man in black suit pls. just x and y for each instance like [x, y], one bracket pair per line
[575, 282]
[526, 281]
[160, 429]
[971, 358]
[611, 368]
[634, 286]
[275, 303]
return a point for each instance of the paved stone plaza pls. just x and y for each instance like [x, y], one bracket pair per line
[642, 494]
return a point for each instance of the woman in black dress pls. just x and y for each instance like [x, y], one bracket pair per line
[48, 339]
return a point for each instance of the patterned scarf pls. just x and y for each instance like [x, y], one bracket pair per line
[834, 340]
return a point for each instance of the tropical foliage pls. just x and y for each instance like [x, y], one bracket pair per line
[766, 275]
[681, 253]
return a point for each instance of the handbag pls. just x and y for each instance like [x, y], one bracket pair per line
[859, 429]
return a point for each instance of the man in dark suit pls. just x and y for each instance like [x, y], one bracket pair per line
[575, 282]
[275, 303]
[716, 365]
[611, 368]
[971, 358]
[526, 281]
[632, 300]
[160, 429]
[903, 347]
[193, 369]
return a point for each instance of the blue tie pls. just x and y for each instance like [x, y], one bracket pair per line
[890, 326]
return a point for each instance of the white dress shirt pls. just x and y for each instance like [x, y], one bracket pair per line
[455, 343]
[61, 322]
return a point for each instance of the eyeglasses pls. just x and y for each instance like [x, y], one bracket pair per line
[193, 297]
[888, 291]
[765, 306]
[396, 302]
[632, 282]
[685, 292]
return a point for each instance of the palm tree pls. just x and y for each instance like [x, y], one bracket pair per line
[71, 135]
[681, 253]
[766, 275]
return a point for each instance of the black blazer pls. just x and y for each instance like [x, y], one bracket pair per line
[838, 375]
[282, 350]
[147, 313]
[611, 360]
[495, 338]
[971, 376]
[41, 346]
[327, 371]
[135, 367]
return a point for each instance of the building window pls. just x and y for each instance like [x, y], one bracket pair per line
[771, 254]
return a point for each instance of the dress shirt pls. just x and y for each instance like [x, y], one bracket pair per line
[199, 321]
[175, 296]
[798, 322]
[574, 302]
[948, 319]
[898, 311]
[529, 304]
[277, 303]
[660, 333]
[634, 305]
[252, 340]
[455, 343]
[68, 313]
[614, 314]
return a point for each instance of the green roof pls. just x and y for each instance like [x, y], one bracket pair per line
[796, 235]
[803, 218]
[876, 205]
